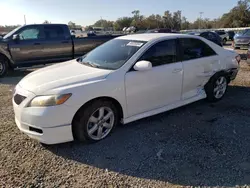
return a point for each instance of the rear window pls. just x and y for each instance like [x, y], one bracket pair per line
[221, 32]
[53, 32]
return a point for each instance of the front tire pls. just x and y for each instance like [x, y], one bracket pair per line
[95, 121]
[216, 87]
[3, 66]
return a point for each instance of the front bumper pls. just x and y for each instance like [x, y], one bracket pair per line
[49, 125]
[53, 135]
[241, 46]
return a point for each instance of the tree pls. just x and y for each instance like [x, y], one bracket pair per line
[168, 21]
[103, 23]
[176, 20]
[185, 25]
[71, 25]
[46, 22]
[122, 22]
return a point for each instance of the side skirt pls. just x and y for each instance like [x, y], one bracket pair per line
[164, 108]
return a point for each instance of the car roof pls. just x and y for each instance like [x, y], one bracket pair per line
[153, 36]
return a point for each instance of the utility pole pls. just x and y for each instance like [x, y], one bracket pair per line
[24, 19]
[201, 13]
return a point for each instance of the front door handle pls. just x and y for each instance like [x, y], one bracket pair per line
[65, 42]
[176, 70]
[37, 43]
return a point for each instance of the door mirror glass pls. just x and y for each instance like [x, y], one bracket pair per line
[143, 66]
[16, 37]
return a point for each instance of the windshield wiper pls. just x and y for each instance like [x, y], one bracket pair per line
[90, 64]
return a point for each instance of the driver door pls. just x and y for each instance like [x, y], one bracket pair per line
[29, 47]
[159, 86]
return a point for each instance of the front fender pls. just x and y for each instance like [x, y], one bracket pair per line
[4, 51]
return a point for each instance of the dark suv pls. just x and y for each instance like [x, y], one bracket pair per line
[209, 35]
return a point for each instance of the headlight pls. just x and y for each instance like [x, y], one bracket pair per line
[52, 100]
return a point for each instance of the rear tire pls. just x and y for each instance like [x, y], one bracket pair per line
[4, 66]
[216, 87]
[88, 120]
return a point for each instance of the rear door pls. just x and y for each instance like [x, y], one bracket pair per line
[29, 47]
[199, 63]
[58, 44]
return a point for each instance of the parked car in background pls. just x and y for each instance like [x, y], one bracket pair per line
[242, 41]
[159, 30]
[224, 36]
[78, 33]
[209, 35]
[123, 80]
[31, 45]
[239, 33]
[248, 56]
[231, 35]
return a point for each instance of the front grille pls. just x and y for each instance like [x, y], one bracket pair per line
[19, 99]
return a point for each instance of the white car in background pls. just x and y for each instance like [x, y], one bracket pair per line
[123, 80]
[78, 33]
[224, 36]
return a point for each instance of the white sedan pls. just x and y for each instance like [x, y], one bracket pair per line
[123, 80]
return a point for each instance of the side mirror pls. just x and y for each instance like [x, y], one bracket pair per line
[143, 66]
[16, 37]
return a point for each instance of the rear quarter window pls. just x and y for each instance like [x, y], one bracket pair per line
[195, 49]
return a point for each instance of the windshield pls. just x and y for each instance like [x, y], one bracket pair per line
[111, 55]
[11, 33]
[246, 32]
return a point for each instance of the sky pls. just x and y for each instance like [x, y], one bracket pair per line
[86, 12]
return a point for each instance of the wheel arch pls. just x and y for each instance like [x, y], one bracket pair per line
[221, 72]
[115, 102]
[10, 62]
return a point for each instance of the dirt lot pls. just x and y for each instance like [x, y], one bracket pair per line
[200, 144]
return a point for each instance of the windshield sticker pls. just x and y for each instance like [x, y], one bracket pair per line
[136, 44]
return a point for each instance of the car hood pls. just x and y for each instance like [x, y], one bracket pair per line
[242, 37]
[61, 75]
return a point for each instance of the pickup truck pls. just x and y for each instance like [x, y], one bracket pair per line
[38, 44]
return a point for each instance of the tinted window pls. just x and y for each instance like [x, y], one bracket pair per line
[221, 32]
[53, 32]
[195, 48]
[208, 35]
[30, 33]
[161, 53]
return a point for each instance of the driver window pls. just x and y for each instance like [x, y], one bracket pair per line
[30, 33]
[161, 53]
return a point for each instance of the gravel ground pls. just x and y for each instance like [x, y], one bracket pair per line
[200, 144]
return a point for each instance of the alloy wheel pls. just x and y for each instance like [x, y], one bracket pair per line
[100, 123]
[220, 87]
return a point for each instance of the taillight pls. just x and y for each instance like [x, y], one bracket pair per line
[238, 58]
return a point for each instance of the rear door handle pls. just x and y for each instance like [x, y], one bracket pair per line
[176, 70]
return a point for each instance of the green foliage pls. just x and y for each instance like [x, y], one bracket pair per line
[238, 16]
